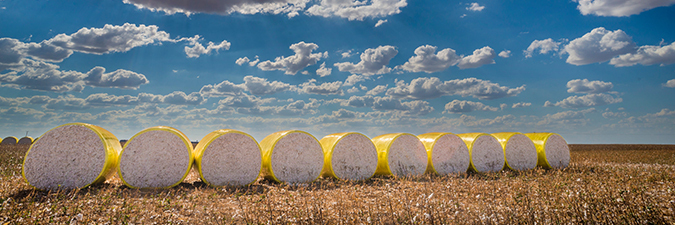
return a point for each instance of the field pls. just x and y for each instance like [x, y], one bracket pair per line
[626, 184]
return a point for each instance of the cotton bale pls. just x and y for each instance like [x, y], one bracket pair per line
[400, 154]
[71, 156]
[446, 153]
[519, 150]
[291, 156]
[552, 150]
[156, 157]
[487, 155]
[11, 140]
[25, 141]
[228, 158]
[348, 156]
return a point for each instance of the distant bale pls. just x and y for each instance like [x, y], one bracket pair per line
[25, 141]
[228, 158]
[552, 150]
[348, 156]
[71, 156]
[291, 156]
[446, 153]
[400, 154]
[486, 153]
[519, 151]
[11, 140]
[156, 157]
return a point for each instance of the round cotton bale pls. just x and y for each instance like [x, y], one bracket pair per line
[228, 158]
[552, 150]
[447, 153]
[519, 151]
[25, 141]
[291, 156]
[348, 156]
[11, 140]
[71, 156]
[487, 155]
[400, 154]
[156, 157]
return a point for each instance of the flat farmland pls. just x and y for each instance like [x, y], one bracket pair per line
[608, 184]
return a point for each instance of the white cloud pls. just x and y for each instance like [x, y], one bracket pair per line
[586, 101]
[505, 54]
[521, 104]
[589, 87]
[611, 115]
[432, 87]
[377, 90]
[198, 49]
[475, 7]
[567, 117]
[292, 64]
[619, 8]
[353, 90]
[328, 88]
[544, 46]
[647, 55]
[110, 38]
[357, 10]
[353, 79]
[427, 60]
[599, 45]
[479, 58]
[241, 61]
[405, 109]
[225, 88]
[288, 7]
[347, 54]
[323, 71]
[260, 86]
[670, 83]
[380, 22]
[457, 106]
[120, 78]
[373, 61]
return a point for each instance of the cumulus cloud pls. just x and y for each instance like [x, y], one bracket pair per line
[544, 46]
[198, 49]
[353, 90]
[505, 54]
[124, 79]
[380, 22]
[377, 90]
[373, 61]
[357, 10]
[479, 58]
[647, 55]
[288, 7]
[619, 8]
[427, 60]
[432, 87]
[611, 115]
[328, 88]
[589, 87]
[323, 71]
[110, 38]
[346, 54]
[353, 79]
[225, 88]
[670, 83]
[241, 61]
[586, 101]
[567, 117]
[260, 86]
[521, 104]
[457, 106]
[475, 7]
[292, 64]
[599, 45]
[411, 108]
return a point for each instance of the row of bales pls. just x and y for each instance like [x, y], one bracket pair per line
[77, 155]
[11, 140]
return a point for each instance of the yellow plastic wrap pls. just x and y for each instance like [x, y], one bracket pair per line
[503, 138]
[183, 137]
[429, 140]
[539, 140]
[112, 149]
[328, 144]
[206, 141]
[267, 146]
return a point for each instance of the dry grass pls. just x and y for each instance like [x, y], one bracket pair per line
[599, 187]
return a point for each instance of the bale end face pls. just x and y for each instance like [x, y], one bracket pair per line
[25, 141]
[487, 155]
[9, 141]
[449, 155]
[352, 157]
[400, 154]
[228, 158]
[519, 151]
[292, 157]
[557, 152]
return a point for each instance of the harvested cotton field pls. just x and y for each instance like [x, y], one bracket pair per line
[228, 158]
[25, 141]
[348, 156]
[447, 153]
[11, 140]
[71, 156]
[400, 154]
[291, 156]
[552, 150]
[157, 157]
[486, 153]
[519, 151]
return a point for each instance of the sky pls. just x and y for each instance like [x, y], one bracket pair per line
[594, 71]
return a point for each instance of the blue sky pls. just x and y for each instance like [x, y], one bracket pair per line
[595, 71]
